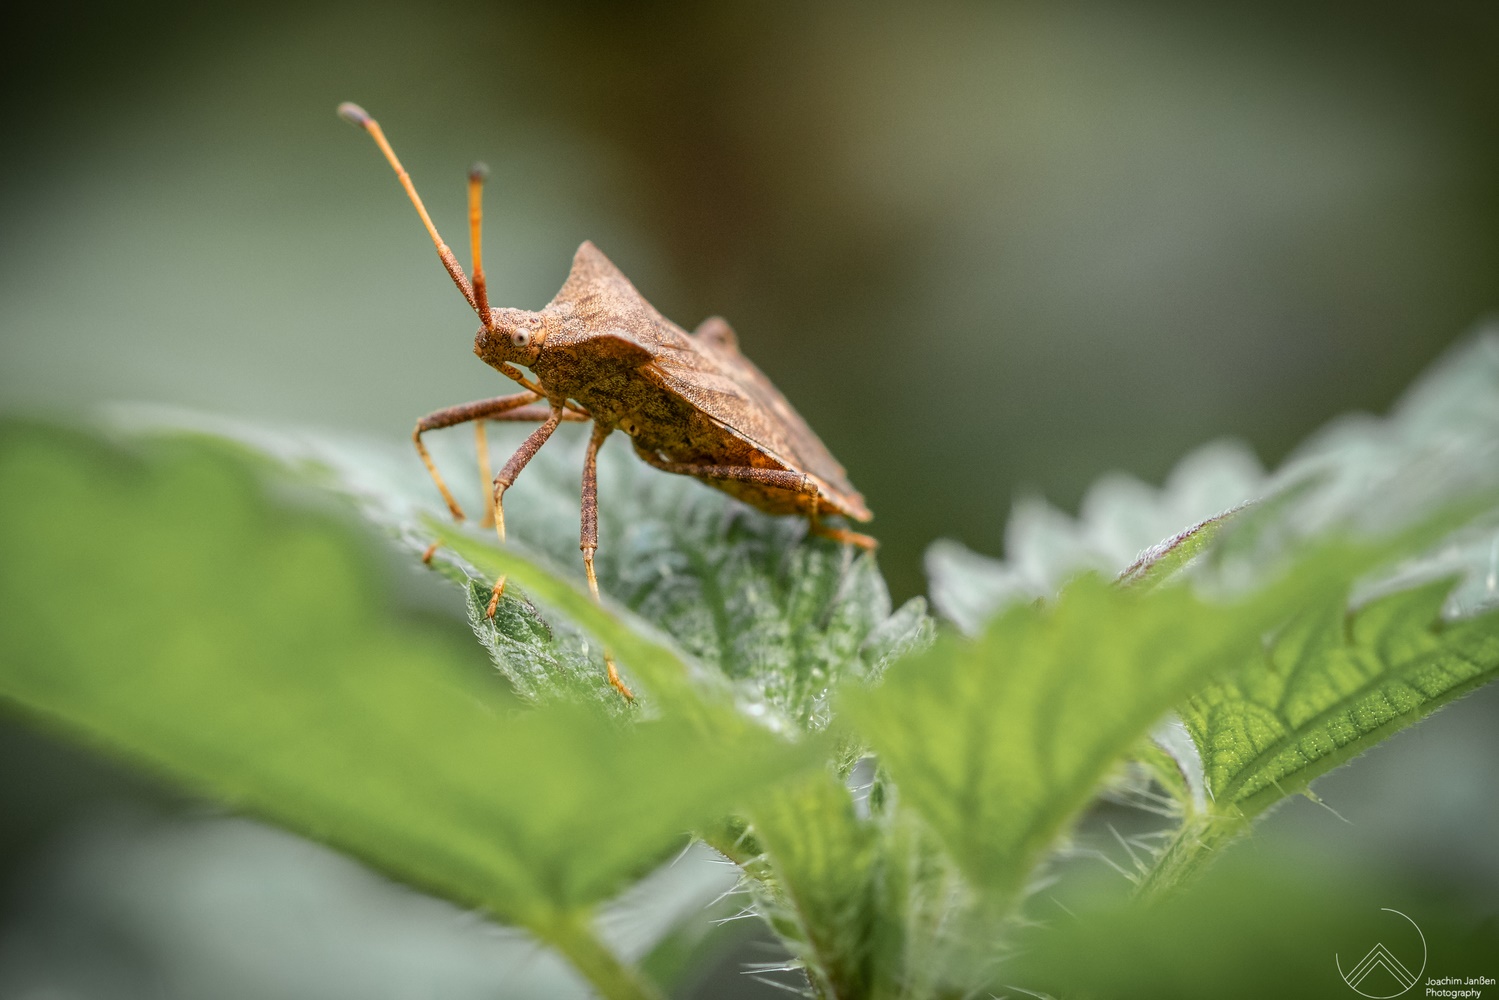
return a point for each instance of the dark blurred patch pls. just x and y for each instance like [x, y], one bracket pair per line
[1264, 927]
[48, 784]
[859, 192]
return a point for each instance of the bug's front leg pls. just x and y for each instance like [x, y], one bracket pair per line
[533, 414]
[502, 482]
[588, 537]
[517, 407]
[451, 416]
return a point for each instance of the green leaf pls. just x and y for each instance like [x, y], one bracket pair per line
[743, 595]
[159, 607]
[1261, 926]
[999, 741]
[1441, 441]
[664, 672]
[820, 897]
[863, 897]
[1164, 560]
[1329, 689]
[543, 656]
[1333, 684]
[1121, 519]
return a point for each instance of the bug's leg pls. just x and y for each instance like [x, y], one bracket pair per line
[452, 416]
[847, 537]
[512, 468]
[481, 446]
[527, 451]
[588, 537]
[780, 478]
[798, 482]
[521, 414]
[514, 408]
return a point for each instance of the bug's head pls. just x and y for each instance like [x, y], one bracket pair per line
[514, 337]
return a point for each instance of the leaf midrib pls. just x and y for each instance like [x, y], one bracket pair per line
[1295, 734]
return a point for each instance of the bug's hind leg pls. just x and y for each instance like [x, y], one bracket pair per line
[588, 537]
[779, 478]
[844, 535]
[796, 482]
[486, 474]
[858, 538]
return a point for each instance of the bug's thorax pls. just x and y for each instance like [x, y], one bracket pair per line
[568, 362]
[686, 398]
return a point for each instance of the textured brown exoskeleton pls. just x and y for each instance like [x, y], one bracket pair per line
[691, 403]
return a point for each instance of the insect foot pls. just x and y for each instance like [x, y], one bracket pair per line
[847, 537]
[494, 598]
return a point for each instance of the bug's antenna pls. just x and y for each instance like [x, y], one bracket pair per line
[477, 174]
[354, 113]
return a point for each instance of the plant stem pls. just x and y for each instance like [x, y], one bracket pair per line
[613, 980]
[1194, 847]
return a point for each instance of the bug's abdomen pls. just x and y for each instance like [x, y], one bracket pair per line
[663, 423]
[707, 443]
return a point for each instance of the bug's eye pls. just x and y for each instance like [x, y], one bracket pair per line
[520, 338]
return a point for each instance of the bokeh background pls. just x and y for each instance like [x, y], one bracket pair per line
[984, 248]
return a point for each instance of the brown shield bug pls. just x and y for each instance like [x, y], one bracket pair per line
[691, 403]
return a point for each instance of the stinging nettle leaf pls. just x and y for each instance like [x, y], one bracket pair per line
[1262, 926]
[863, 897]
[999, 741]
[1121, 518]
[1331, 685]
[821, 897]
[781, 616]
[244, 652]
[1440, 441]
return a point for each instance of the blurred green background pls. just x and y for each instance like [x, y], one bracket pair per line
[983, 248]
